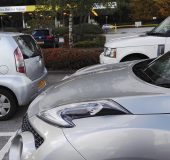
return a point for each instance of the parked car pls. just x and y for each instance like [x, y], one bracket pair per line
[118, 111]
[107, 27]
[149, 45]
[45, 38]
[22, 72]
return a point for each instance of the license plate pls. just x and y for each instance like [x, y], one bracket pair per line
[40, 43]
[41, 84]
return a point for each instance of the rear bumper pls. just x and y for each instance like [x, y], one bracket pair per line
[47, 43]
[28, 90]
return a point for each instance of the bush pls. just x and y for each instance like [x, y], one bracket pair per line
[87, 29]
[80, 29]
[62, 58]
[91, 43]
[61, 31]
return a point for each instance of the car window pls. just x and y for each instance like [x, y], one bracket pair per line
[40, 33]
[159, 71]
[161, 67]
[28, 46]
[162, 29]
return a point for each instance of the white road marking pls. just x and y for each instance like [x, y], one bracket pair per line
[6, 147]
[6, 134]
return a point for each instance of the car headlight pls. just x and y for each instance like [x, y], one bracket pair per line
[63, 116]
[110, 52]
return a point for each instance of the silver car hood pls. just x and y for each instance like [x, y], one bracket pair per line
[94, 83]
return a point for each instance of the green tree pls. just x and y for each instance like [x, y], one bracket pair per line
[143, 10]
[82, 8]
[122, 11]
[163, 8]
[43, 16]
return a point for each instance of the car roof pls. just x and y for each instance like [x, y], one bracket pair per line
[10, 34]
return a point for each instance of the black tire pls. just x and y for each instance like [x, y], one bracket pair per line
[8, 104]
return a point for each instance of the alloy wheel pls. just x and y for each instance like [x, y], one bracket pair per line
[5, 105]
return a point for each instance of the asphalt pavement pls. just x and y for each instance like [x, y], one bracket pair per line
[8, 128]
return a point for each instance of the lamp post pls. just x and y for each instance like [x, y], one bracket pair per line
[23, 20]
[106, 19]
[1, 23]
[1, 17]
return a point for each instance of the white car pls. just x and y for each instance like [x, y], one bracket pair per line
[22, 72]
[149, 45]
[107, 27]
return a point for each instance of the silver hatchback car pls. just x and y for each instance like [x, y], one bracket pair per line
[22, 72]
[105, 112]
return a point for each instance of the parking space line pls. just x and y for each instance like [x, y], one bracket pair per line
[6, 147]
[6, 134]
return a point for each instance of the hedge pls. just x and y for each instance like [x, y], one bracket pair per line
[63, 58]
[91, 42]
[84, 28]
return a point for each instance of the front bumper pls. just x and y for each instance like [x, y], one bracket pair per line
[107, 60]
[55, 145]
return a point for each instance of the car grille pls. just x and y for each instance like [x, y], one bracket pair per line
[26, 126]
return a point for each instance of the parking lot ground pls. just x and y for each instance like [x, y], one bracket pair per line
[8, 128]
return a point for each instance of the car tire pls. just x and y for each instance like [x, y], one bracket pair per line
[8, 104]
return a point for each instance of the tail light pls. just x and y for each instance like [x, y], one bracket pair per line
[50, 37]
[19, 60]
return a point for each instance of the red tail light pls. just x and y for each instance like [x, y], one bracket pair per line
[20, 64]
[50, 37]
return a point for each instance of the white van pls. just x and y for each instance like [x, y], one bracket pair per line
[149, 45]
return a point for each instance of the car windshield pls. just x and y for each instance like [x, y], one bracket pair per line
[156, 71]
[162, 29]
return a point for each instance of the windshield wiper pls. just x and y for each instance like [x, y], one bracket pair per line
[155, 34]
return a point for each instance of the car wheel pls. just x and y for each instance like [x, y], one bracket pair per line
[8, 104]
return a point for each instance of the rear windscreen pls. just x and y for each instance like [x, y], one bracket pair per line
[40, 33]
[28, 46]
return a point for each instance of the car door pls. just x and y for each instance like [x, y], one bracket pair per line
[32, 54]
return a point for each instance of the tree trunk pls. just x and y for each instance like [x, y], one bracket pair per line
[71, 29]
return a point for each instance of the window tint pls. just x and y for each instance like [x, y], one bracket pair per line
[163, 29]
[160, 69]
[41, 33]
[28, 46]
[155, 71]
